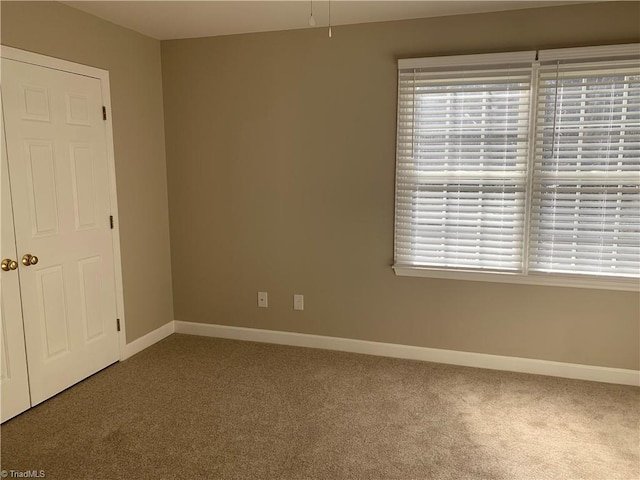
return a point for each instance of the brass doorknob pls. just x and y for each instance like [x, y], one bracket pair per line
[28, 260]
[8, 264]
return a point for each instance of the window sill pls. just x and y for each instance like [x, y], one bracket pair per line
[601, 283]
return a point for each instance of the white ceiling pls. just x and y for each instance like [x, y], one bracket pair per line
[166, 20]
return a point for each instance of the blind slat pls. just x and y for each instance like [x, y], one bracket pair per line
[588, 136]
[464, 143]
[458, 134]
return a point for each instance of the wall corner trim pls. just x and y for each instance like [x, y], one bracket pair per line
[147, 340]
[451, 357]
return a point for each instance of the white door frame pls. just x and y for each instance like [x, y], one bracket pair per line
[103, 75]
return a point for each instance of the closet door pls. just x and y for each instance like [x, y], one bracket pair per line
[13, 359]
[56, 144]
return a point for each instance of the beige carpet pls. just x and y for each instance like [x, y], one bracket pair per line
[196, 408]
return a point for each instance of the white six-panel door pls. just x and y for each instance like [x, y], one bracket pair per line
[14, 396]
[58, 168]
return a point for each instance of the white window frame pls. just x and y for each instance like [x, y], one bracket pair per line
[525, 277]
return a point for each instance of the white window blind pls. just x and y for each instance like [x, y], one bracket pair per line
[510, 165]
[462, 166]
[585, 215]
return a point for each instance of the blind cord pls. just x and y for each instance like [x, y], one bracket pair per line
[553, 157]
[606, 189]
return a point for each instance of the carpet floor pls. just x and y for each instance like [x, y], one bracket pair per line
[202, 408]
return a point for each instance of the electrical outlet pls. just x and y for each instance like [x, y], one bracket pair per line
[263, 300]
[298, 302]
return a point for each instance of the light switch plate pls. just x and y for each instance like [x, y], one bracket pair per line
[298, 302]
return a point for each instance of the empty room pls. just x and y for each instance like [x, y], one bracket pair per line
[320, 240]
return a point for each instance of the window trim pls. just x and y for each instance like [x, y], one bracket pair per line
[525, 277]
[586, 53]
[487, 59]
[553, 280]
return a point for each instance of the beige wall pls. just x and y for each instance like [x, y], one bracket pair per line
[280, 151]
[133, 61]
[281, 160]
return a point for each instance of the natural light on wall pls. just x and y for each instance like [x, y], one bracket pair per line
[521, 167]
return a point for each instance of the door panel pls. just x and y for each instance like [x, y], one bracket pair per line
[90, 288]
[56, 142]
[52, 311]
[13, 361]
[42, 187]
[82, 175]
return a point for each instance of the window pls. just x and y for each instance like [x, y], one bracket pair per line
[521, 167]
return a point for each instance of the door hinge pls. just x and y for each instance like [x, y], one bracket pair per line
[111, 221]
[104, 112]
[118, 323]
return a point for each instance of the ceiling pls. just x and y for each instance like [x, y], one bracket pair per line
[166, 20]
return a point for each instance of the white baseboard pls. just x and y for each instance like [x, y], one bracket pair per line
[452, 357]
[147, 340]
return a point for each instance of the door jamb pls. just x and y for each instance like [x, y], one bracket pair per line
[102, 75]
